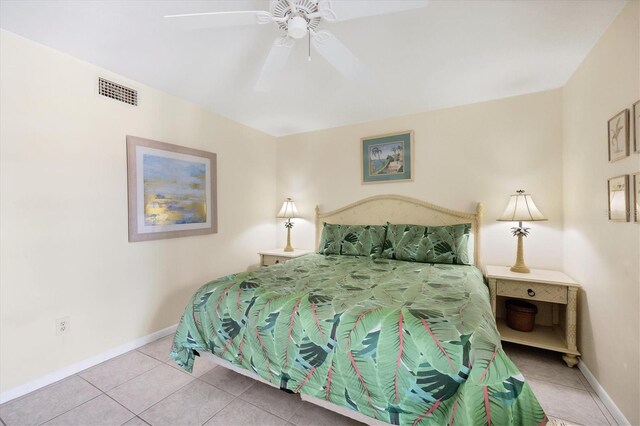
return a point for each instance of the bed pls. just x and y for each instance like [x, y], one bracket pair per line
[371, 336]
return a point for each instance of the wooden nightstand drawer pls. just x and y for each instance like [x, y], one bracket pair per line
[273, 260]
[532, 291]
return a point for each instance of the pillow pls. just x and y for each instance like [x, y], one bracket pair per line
[330, 240]
[429, 244]
[352, 240]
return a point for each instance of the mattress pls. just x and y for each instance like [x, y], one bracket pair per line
[402, 342]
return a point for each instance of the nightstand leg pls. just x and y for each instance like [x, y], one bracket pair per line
[570, 359]
[571, 314]
[492, 295]
[571, 326]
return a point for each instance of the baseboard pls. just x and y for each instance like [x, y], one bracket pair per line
[604, 396]
[65, 372]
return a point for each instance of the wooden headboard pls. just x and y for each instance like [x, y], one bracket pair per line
[380, 209]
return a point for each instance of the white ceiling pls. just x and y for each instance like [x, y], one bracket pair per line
[446, 54]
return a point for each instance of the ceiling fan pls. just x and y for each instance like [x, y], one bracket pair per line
[299, 19]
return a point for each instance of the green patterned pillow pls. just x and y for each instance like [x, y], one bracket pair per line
[432, 244]
[352, 240]
[330, 240]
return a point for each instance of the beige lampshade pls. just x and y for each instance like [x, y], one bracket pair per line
[521, 208]
[288, 209]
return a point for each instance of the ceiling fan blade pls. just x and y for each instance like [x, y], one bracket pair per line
[342, 10]
[276, 60]
[197, 21]
[338, 55]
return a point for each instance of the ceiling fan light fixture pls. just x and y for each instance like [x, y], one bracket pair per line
[297, 27]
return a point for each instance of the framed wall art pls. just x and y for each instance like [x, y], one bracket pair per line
[618, 198]
[636, 127]
[636, 198]
[387, 158]
[171, 190]
[618, 135]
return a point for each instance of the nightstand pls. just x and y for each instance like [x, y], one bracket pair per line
[273, 257]
[555, 295]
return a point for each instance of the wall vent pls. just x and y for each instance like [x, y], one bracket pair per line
[117, 91]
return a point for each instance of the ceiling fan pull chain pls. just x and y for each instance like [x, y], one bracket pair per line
[309, 45]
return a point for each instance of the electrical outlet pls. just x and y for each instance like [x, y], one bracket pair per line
[63, 326]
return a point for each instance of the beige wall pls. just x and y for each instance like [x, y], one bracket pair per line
[64, 248]
[482, 152]
[600, 254]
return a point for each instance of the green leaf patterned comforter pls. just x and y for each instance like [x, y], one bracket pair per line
[406, 343]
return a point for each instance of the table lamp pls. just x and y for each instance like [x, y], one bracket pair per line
[521, 208]
[288, 211]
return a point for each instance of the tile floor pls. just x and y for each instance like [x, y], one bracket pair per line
[143, 387]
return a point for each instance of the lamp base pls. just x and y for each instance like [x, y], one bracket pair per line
[523, 269]
[520, 267]
[289, 247]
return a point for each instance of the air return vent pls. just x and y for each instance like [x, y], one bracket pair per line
[117, 91]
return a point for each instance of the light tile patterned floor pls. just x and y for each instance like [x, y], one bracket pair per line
[143, 387]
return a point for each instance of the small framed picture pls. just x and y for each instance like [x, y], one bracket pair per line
[387, 158]
[618, 134]
[618, 191]
[636, 198]
[636, 127]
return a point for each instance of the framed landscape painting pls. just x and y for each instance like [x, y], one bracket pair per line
[387, 158]
[618, 135]
[171, 190]
[618, 194]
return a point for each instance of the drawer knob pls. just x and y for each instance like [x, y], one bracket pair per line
[277, 261]
[531, 293]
